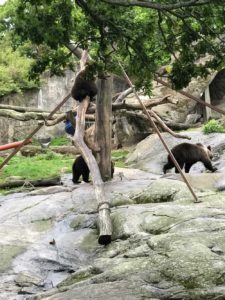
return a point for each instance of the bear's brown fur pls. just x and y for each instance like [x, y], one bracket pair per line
[84, 85]
[187, 154]
[81, 168]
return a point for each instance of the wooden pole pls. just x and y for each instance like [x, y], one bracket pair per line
[159, 134]
[103, 123]
[208, 112]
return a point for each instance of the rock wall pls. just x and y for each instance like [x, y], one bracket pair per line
[52, 91]
[47, 97]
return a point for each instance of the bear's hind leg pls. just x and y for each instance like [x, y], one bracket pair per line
[187, 167]
[85, 176]
[76, 176]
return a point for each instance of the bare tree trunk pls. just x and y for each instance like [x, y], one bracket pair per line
[104, 126]
[105, 225]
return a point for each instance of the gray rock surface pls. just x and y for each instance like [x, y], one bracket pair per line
[164, 246]
[150, 155]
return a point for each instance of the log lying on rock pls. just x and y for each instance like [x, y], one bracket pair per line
[38, 182]
[35, 150]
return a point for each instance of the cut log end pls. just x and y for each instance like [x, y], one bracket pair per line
[104, 239]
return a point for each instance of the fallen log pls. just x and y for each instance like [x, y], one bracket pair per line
[37, 182]
[36, 150]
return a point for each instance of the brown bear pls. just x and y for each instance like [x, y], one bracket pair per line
[81, 168]
[187, 154]
[84, 84]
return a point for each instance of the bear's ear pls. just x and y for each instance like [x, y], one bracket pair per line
[209, 147]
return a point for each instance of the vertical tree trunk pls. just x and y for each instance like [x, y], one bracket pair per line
[104, 126]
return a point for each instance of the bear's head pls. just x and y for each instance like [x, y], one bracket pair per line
[207, 150]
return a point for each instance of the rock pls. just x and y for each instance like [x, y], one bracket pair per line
[192, 119]
[27, 279]
[164, 246]
[150, 155]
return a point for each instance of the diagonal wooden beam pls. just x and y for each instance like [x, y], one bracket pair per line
[159, 134]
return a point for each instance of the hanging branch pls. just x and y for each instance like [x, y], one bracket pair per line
[159, 134]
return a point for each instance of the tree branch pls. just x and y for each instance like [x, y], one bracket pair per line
[123, 95]
[157, 6]
[149, 104]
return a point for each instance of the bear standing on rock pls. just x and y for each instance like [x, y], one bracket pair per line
[81, 168]
[187, 154]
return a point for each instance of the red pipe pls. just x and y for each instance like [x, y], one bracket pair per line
[13, 145]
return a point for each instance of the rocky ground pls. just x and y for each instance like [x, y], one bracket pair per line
[164, 246]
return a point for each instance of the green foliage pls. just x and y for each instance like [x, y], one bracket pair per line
[213, 126]
[142, 39]
[47, 165]
[14, 70]
[119, 157]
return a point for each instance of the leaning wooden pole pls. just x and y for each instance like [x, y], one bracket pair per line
[159, 134]
[105, 225]
[33, 132]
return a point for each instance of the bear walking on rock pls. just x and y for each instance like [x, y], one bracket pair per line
[187, 154]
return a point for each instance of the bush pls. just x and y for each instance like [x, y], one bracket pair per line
[213, 126]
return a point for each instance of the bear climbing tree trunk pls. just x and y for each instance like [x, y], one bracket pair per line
[103, 119]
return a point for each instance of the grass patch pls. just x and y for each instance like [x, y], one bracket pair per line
[60, 141]
[36, 167]
[46, 165]
[119, 158]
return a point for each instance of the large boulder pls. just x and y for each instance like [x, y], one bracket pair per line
[150, 154]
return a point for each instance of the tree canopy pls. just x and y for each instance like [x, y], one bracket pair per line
[143, 35]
